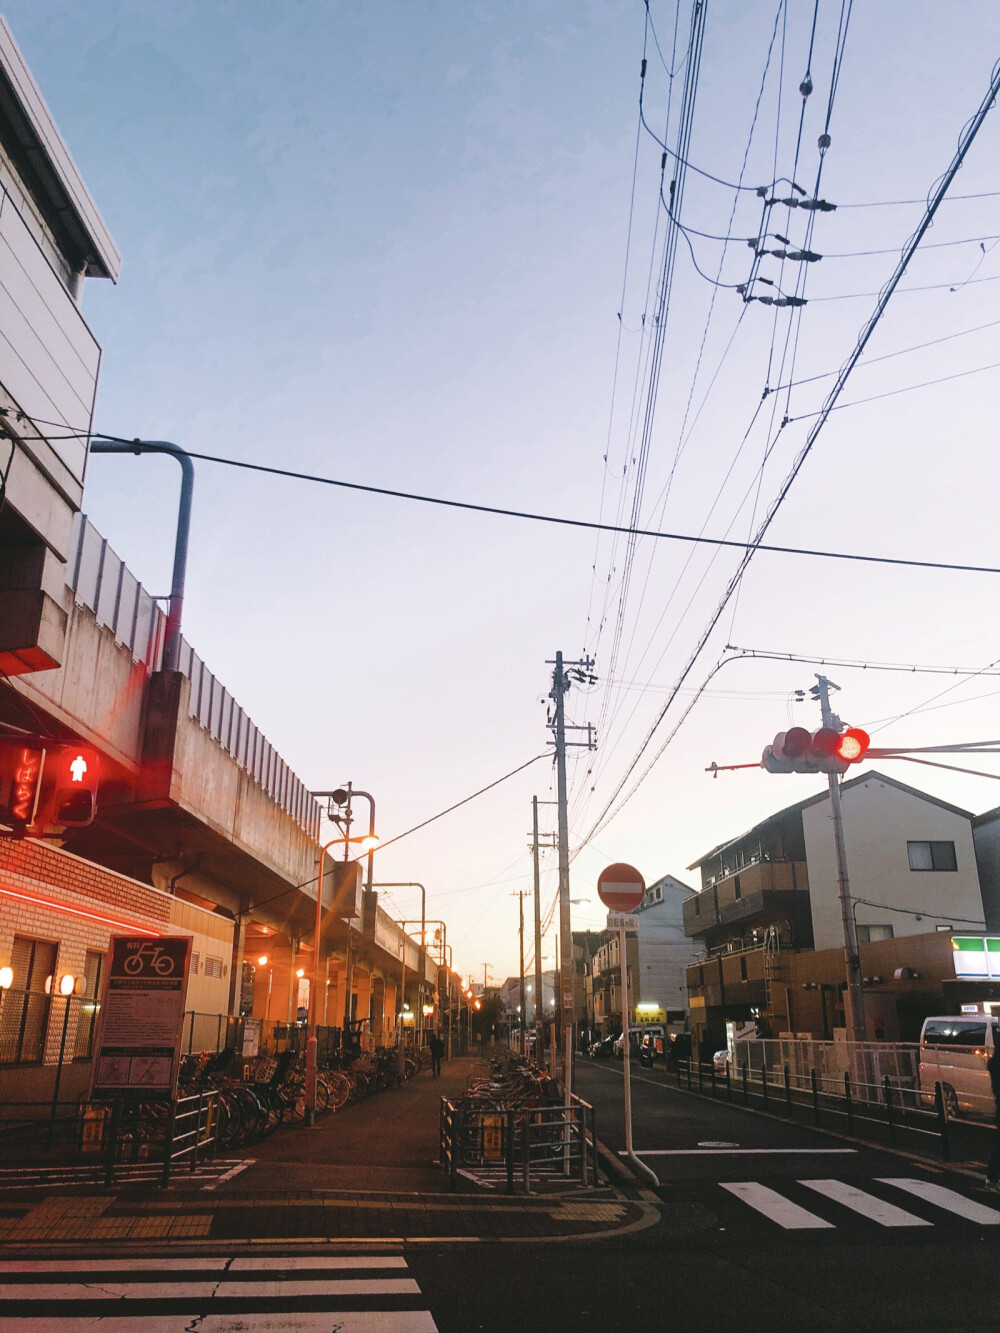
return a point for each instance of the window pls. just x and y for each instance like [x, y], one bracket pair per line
[957, 1032]
[89, 1005]
[866, 934]
[743, 967]
[24, 1008]
[194, 963]
[213, 967]
[931, 855]
[697, 907]
[737, 891]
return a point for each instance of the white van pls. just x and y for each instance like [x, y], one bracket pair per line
[953, 1052]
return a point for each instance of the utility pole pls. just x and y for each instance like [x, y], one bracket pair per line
[539, 983]
[561, 676]
[855, 993]
[522, 998]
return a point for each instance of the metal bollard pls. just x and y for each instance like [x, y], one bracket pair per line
[509, 1154]
[763, 1082]
[887, 1088]
[729, 1085]
[942, 1121]
[701, 1085]
[815, 1093]
[713, 1078]
[746, 1085]
[688, 1063]
[788, 1093]
[848, 1102]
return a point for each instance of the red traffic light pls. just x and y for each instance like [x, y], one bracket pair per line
[77, 772]
[824, 751]
[853, 745]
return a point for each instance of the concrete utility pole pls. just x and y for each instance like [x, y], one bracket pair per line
[539, 980]
[522, 998]
[855, 992]
[557, 724]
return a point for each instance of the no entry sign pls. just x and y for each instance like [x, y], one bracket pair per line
[620, 887]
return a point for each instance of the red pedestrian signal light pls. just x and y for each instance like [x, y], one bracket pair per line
[20, 784]
[77, 772]
[823, 751]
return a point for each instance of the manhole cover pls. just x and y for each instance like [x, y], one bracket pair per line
[716, 1143]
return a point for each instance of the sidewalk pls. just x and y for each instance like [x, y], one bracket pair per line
[368, 1173]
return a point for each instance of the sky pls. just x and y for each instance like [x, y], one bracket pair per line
[420, 246]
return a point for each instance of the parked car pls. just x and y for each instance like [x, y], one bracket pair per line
[953, 1052]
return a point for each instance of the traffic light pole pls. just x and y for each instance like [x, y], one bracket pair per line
[855, 994]
[539, 991]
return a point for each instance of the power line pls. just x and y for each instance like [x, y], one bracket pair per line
[938, 193]
[586, 524]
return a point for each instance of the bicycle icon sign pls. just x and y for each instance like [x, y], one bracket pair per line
[148, 957]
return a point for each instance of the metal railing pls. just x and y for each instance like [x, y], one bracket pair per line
[528, 1143]
[101, 581]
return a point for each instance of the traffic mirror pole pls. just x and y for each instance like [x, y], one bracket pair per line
[641, 1167]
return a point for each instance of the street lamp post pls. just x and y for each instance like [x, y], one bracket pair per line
[412, 884]
[172, 640]
[344, 796]
[312, 1043]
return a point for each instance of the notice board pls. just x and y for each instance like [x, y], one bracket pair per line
[142, 1012]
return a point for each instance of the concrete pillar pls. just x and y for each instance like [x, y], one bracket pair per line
[236, 965]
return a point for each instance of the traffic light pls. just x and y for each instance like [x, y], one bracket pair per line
[77, 771]
[823, 751]
[20, 784]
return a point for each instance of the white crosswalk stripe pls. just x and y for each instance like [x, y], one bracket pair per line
[793, 1217]
[775, 1206]
[868, 1205]
[950, 1200]
[242, 1294]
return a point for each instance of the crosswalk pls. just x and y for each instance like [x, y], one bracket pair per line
[208, 1175]
[361, 1293]
[884, 1207]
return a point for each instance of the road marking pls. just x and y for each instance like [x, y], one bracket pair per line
[235, 1171]
[354, 1321]
[200, 1291]
[868, 1205]
[265, 1263]
[776, 1207]
[950, 1200]
[720, 1152]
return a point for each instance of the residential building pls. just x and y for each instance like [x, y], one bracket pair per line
[663, 953]
[770, 895]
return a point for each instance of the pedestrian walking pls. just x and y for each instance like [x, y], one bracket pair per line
[993, 1166]
[436, 1046]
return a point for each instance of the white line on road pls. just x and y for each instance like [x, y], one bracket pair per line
[775, 1206]
[264, 1263]
[235, 1171]
[868, 1205]
[731, 1152]
[356, 1321]
[201, 1291]
[950, 1200]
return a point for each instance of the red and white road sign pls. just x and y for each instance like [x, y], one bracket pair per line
[620, 887]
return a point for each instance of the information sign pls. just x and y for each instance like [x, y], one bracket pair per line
[138, 1044]
[622, 921]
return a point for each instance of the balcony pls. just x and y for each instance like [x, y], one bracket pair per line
[766, 888]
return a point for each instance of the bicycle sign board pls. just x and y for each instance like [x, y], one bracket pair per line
[138, 1045]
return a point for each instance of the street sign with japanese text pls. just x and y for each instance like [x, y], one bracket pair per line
[622, 921]
[142, 1012]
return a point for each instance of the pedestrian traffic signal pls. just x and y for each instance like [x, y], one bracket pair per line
[20, 784]
[823, 751]
[77, 771]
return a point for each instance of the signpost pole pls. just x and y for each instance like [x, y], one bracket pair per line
[621, 888]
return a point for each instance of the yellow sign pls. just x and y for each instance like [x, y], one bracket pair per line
[492, 1137]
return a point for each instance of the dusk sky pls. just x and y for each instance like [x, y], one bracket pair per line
[418, 246]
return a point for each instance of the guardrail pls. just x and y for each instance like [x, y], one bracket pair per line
[159, 1131]
[528, 1142]
[843, 1103]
